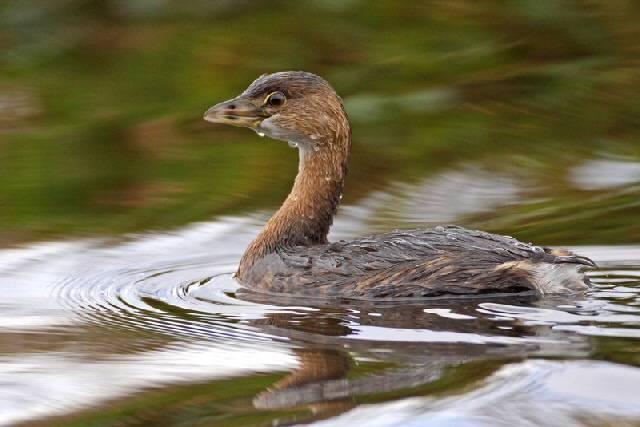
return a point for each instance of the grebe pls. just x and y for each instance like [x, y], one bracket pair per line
[292, 256]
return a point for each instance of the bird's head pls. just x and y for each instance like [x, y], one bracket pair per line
[293, 106]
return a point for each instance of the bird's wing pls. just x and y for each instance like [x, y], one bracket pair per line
[443, 261]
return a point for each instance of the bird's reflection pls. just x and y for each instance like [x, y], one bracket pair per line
[328, 383]
[331, 337]
[343, 318]
[318, 382]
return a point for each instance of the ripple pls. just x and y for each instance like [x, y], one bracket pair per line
[127, 315]
[552, 317]
[197, 298]
[530, 393]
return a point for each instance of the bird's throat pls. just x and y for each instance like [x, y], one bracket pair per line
[306, 215]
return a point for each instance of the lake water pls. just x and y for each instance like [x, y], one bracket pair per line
[149, 330]
[123, 215]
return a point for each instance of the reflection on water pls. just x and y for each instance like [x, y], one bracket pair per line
[530, 393]
[448, 197]
[89, 322]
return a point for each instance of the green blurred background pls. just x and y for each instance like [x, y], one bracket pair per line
[101, 105]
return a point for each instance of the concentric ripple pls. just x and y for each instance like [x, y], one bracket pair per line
[188, 300]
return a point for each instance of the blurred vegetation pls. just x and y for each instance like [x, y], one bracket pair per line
[101, 104]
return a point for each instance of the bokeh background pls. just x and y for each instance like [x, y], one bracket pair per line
[517, 116]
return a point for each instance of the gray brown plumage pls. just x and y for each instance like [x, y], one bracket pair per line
[292, 256]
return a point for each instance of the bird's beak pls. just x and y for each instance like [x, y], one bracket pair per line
[236, 112]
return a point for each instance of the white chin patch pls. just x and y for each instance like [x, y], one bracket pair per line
[269, 128]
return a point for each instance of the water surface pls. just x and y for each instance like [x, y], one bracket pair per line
[152, 326]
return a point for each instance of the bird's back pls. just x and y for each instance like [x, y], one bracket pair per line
[440, 262]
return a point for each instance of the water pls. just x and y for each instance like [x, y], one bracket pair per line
[123, 214]
[152, 325]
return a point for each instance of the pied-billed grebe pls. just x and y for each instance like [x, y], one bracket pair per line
[292, 256]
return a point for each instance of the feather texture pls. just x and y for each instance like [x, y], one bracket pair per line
[440, 262]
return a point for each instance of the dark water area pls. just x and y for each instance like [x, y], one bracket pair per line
[123, 214]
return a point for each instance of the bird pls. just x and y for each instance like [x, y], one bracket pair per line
[292, 256]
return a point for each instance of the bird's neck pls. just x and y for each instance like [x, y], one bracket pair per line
[306, 215]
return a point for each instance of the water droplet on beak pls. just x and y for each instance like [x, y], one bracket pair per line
[261, 134]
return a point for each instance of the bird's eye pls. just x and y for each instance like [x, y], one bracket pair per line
[276, 99]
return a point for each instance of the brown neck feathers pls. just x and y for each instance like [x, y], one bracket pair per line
[306, 215]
